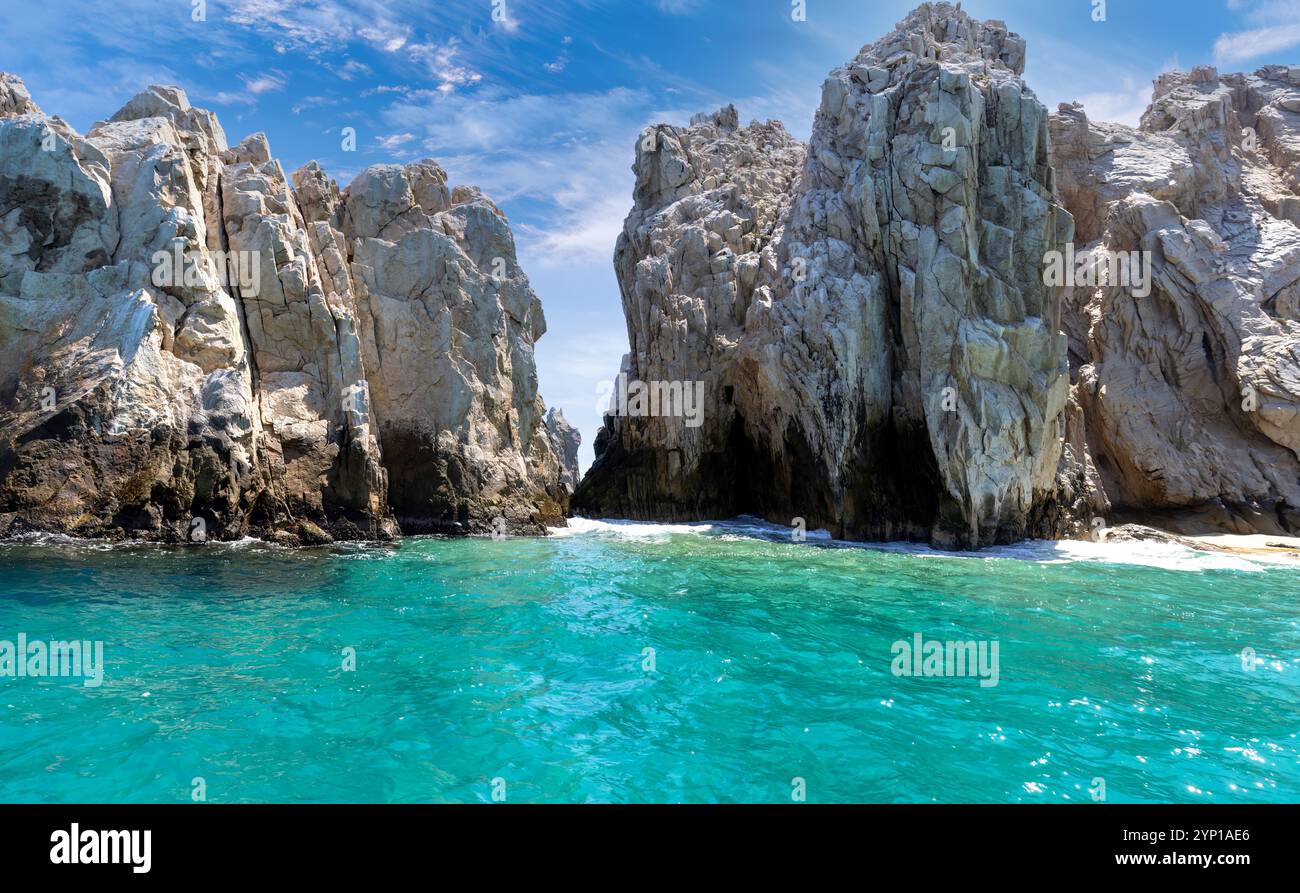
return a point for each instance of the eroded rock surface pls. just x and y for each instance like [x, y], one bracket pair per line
[316, 364]
[1191, 393]
[881, 349]
[565, 441]
[880, 354]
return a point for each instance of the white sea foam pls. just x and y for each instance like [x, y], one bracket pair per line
[631, 529]
[1168, 556]
[72, 543]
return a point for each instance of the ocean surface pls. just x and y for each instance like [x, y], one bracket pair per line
[620, 662]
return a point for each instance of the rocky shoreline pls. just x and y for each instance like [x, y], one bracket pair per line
[950, 317]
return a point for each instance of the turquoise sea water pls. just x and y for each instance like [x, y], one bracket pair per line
[524, 660]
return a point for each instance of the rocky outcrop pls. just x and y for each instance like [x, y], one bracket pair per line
[694, 257]
[193, 347]
[565, 442]
[1190, 384]
[880, 342]
[879, 353]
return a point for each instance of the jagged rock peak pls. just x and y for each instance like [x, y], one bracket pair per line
[825, 298]
[314, 364]
[942, 32]
[725, 118]
[159, 101]
[14, 98]
[565, 440]
[870, 320]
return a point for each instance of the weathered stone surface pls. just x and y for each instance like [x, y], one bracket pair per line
[299, 394]
[881, 356]
[1191, 394]
[448, 324]
[565, 441]
[709, 200]
[14, 98]
[880, 352]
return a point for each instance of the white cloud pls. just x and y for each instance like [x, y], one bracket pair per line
[590, 206]
[440, 61]
[388, 38]
[227, 97]
[297, 24]
[254, 87]
[395, 140]
[266, 83]
[311, 102]
[1241, 46]
[568, 153]
[1278, 29]
[326, 26]
[1124, 106]
[351, 69]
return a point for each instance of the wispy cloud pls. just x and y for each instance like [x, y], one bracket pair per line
[351, 69]
[677, 7]
[562, 60]
[1241, 46]
[266, 83]
[568, 155]
[312, 102]
[1277, 28]
[442, 63]
[394, 141]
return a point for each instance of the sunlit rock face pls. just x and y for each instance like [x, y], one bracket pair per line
[1191, 391]
[880, 353]
[194, 347]
[896, 329]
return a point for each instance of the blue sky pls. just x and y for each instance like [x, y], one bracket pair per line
[541, 105]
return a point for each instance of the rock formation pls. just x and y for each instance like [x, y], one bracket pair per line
[565, 441]
[880, 354]
[883, 350]
[1191, 393]
[192, 347]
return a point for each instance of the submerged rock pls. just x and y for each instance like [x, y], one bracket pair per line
[192, 347]
[874, 320]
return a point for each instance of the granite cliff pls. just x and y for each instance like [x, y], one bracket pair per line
[194, 345]
[883, 349]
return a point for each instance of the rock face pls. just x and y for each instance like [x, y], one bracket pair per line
[565, 441]
[192, 347]
[1191, 393]
[709, 204]
[880, 355]
[882, 347]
